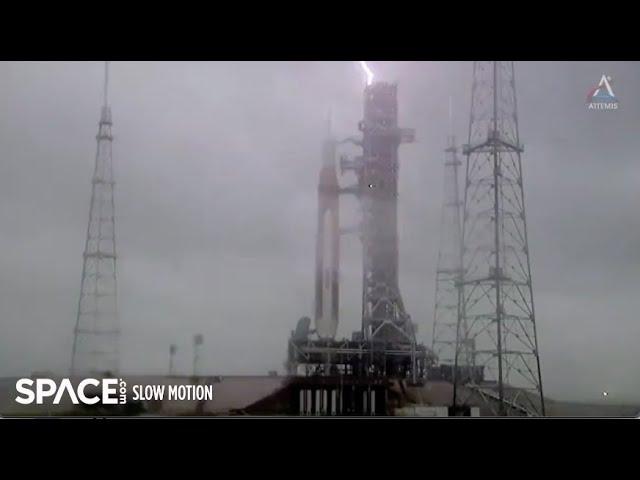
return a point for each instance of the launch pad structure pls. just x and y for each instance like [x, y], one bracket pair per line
[385, 347]
[484, 345]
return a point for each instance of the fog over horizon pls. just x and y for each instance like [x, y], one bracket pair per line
[216, 167]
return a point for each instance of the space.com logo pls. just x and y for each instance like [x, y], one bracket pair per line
[108, 391]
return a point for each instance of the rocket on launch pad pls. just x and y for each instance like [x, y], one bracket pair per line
[327, 243]
[385, 346]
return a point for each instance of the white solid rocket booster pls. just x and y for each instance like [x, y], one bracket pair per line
[328, 245]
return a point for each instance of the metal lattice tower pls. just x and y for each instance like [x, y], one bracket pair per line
[496, 329]
[96, 334]
[384, 316]
[449, 269]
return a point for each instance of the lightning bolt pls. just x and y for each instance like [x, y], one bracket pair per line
[368, 72]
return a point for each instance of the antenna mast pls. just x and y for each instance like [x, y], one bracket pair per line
[97, 333]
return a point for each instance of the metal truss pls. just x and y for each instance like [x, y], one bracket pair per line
[96, 333]
[360, 358]
[496, 318]
[449, 269]
[383, 314]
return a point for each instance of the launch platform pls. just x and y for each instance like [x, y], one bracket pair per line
[364, 358]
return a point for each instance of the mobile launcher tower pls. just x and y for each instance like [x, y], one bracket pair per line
[350, 376]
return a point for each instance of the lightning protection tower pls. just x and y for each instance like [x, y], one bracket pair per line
[496, 326]
[96, 333]
[449, 269]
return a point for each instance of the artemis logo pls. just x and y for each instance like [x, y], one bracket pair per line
[601, 97]
[108, 391]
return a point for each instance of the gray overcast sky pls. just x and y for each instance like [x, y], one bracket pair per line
[216, 166]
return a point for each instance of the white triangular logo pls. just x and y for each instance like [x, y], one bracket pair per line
[604, 82]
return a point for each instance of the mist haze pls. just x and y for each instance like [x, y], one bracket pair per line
[216, 167]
